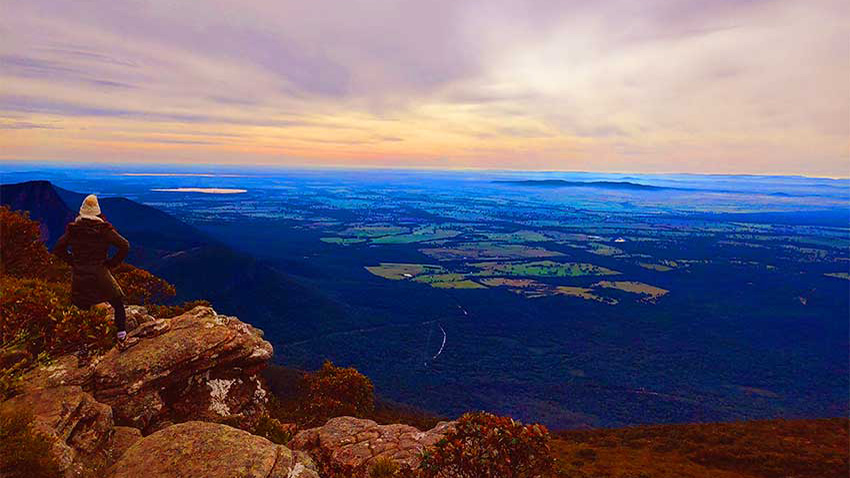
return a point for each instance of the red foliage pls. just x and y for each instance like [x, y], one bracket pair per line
[489, 446]
[337, 391]
[141, 287]
[39, 311]
[22, 252]
[169, 311]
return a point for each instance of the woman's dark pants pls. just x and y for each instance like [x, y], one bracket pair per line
[120, 314]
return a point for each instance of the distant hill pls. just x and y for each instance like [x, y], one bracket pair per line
[144, 224]
[199, 266]
[560, 183]
[43, 203]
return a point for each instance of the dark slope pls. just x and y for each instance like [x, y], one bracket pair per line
[199, 266]
[44, 204]
[286, 308]
[560, 183]
[144, 225]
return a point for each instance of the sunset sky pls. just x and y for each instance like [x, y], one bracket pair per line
[725, 86]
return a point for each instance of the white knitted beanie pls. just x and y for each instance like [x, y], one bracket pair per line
[90, 207]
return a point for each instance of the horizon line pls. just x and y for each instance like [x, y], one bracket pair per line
[342, 167]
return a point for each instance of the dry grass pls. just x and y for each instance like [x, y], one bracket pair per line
[756, 449]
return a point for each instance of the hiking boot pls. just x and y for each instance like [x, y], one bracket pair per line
[127, 342]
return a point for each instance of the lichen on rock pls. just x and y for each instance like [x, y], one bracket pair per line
[203, 449]
[354, 444]
[199, 365]
[196, 366]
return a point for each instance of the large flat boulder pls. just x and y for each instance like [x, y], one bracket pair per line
[196, 366]
[209, 450]
[353, 444]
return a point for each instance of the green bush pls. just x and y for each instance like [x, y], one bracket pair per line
[15, 359]
[24, 453]
[273, 429]
[384, 468]
[488, 446]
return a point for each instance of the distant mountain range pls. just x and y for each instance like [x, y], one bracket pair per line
[560, 183]
[199, 266]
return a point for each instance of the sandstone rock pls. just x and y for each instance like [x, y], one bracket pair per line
[122, 439]
[136, 316]
[64, 370]
[209, 450]
[199, 365]
[80, 428]
[354, 444]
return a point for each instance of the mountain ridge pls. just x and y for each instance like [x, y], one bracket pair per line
[199, 266]
[561, 183]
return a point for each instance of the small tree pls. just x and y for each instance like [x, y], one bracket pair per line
[337, 391]
[22, 252]
[488, 446]
[141, 287]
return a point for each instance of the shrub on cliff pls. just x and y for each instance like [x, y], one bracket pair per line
[39, 310]
[24, 453]
[22, 252]
[35, 294]
[488, 446]
[337, 391]
[141, 287]
[169, 311]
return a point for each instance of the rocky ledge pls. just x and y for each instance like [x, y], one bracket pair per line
[353, 445]
[152, 410]
[203, 449]
[196, 366]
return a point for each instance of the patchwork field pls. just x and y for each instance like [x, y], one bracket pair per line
[488, 250]
[422, 234]
[585, 293]
[650, 292]
[655, 267]
[395, 271]
[517, 237]
[342, 241]
[541, 269]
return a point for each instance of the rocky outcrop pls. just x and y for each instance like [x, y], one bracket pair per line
[196, 366]
[82, 432]
[353, 444]
[202, 449]
[63, 371]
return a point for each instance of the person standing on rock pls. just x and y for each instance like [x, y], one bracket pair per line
[89, 237]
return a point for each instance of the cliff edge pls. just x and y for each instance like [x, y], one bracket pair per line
[156, 408]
